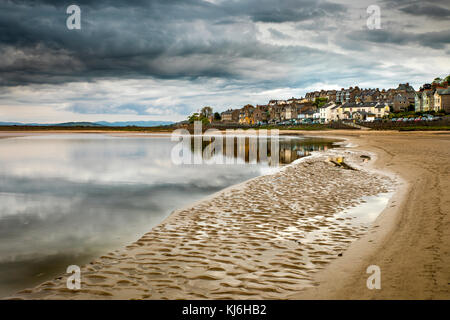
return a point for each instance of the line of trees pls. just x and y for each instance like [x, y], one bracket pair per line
[205, 114]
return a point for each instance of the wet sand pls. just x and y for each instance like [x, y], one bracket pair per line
[263, 239]
[410, 240]
[277, 236]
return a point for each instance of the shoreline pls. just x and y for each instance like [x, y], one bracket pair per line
[410, 240]
[344, 278]
[224, 273]
[337, 273]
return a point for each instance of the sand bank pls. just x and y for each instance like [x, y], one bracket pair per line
[277, 236]
[263, 239]
[410, 240]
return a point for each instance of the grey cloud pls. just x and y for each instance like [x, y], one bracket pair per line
[283, 11]
[435, 40]
[426, 10]
[89, 108]
[163, 39]
[434, 9]
[220, 49]
[278, 35]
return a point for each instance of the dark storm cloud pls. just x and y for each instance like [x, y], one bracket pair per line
[283, 11]
[165, 39]
[437, 9]
[427, 10]
[435, 40]
[411, 25]
[160, 57]
[257, 10]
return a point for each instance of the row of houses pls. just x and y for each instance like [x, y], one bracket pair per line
[306, 112]
[362, 111]
[400, 98]
[430, 97]
[352, 103]
[433, 97]
[275, 111]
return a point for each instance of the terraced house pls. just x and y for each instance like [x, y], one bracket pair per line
[230, 116]
[428, 98]
[246, 115]
[260, 114]
[331, 95]
[442, 99]
[347, 95]
[401, 103]
[328, 112]
[289, 112]
[362, 111]
[406, 91]
[346, 104]
[368, 95]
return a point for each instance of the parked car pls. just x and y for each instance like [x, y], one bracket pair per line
[399, 119]
[394, 119]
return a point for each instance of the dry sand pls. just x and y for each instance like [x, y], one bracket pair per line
[410, 240]
[278, 236]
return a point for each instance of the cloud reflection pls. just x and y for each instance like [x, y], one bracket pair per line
[70, 198]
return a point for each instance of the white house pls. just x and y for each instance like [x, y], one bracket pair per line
[327, 113]
[347, 110]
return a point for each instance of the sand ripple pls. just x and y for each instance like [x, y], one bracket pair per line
[264, 239]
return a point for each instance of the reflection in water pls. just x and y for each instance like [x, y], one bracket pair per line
[252, 150]
[290, 150]
[66, 199]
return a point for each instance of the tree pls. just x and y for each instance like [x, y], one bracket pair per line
[193, 117]
[320, 102]
[206, 111]
[198, 117]
[217, 116]
[447, 78]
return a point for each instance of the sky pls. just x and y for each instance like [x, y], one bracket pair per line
[164, 59]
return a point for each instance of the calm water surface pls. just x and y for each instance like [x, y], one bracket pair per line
[68, 198]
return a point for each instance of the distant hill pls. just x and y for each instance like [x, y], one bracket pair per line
[93, 124]
[77, 124]
[11, 124]
[65, 124]
[135, 123]
[20, 124]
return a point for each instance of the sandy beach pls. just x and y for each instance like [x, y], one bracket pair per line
[410, 240]
[284, 236]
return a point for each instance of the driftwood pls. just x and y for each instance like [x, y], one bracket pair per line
[342, 164]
